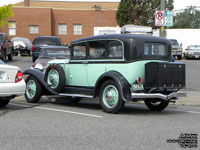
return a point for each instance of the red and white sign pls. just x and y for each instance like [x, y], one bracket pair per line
[159, 18]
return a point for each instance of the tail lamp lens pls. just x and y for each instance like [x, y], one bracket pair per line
[139, 80]
[19, 76]
[33, 48]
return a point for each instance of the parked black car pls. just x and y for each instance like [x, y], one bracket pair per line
[42, 41]
[6, 47]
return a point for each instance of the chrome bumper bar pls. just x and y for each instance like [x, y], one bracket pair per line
[173, 95]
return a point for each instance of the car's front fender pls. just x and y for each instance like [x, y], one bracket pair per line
[39, 75]
[122, 83]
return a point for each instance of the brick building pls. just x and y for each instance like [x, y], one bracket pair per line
[66, 19]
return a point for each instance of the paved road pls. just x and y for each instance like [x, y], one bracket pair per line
[56, 124]
[61, 125]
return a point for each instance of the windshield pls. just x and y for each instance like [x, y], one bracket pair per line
[55, 53]
[1, 38]
[194, 47]
[45, 41]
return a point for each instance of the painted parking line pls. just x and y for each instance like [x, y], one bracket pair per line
[66, 111]
[57, 110]
[21, 105]
[186, 111]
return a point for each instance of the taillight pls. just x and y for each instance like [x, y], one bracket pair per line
[0, 47]
[33, 48]
[139, 80]
[19, 76]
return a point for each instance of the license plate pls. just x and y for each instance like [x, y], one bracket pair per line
[137, 87]
[196, 56]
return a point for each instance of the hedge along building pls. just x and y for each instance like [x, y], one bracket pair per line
[67, 19]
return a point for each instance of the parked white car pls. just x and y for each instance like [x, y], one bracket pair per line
[11, 83]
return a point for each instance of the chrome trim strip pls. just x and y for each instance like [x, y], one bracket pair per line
[154, 95]
[76, 95]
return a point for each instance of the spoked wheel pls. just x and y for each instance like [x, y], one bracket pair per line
[156, 104]
[55, 77]
[4, 102]
[33, 90]
[110, 97]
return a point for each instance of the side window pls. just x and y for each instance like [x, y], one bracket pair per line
[97, 49]
[79, 51]
[115, 49]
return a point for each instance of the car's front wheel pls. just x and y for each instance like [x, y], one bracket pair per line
[33, 90]
[156, 104]
[4, 102]
[110, 97]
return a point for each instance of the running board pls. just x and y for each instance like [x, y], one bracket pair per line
[76, 95]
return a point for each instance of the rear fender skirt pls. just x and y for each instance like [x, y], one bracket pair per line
[40, 77]
[122, 83]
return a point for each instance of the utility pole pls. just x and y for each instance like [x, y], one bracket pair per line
[162, 7]
[98, 9]
[191, 8]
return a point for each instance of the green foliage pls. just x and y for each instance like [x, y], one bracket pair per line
[5, 12]
[187, 19]
[139, 12]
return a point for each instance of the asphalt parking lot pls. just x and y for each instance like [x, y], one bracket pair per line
[54, 123]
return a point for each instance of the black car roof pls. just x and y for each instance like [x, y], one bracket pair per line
[122, 37]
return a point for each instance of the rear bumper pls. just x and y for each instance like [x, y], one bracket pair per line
[12, 89]
[166, 97]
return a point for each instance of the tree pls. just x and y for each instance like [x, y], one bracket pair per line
[139, 12]
[187, 19]
[5, 12]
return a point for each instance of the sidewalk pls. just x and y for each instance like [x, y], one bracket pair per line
[193, 98]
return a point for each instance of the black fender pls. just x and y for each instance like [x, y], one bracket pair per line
[122, 83]
[39, 75]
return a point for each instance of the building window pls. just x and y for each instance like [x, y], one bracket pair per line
[77, 29]
[62, 29]
[12, 28]
[33, 29]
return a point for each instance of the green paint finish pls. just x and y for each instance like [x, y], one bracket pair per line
[76, 74]
[31, 89]
[53, 78]
[110, 96]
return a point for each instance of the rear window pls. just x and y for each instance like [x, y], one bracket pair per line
[45, 41]
[194, 47]
[155, 49]
[174, 42]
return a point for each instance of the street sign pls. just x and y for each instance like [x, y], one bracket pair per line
[168, 20]
[159, 18]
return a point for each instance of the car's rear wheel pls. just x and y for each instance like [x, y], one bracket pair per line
[33, 90]
[55, 77]
[110, 97]
[3, 55]
[4, 102]
[179, 57]
[156, 104]
[10, 57]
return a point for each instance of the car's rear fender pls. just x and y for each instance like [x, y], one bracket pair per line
[40, 77]
[122, 83]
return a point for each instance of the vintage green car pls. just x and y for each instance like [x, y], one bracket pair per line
[116, 69]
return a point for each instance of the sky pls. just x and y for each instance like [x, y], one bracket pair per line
[178, 4]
